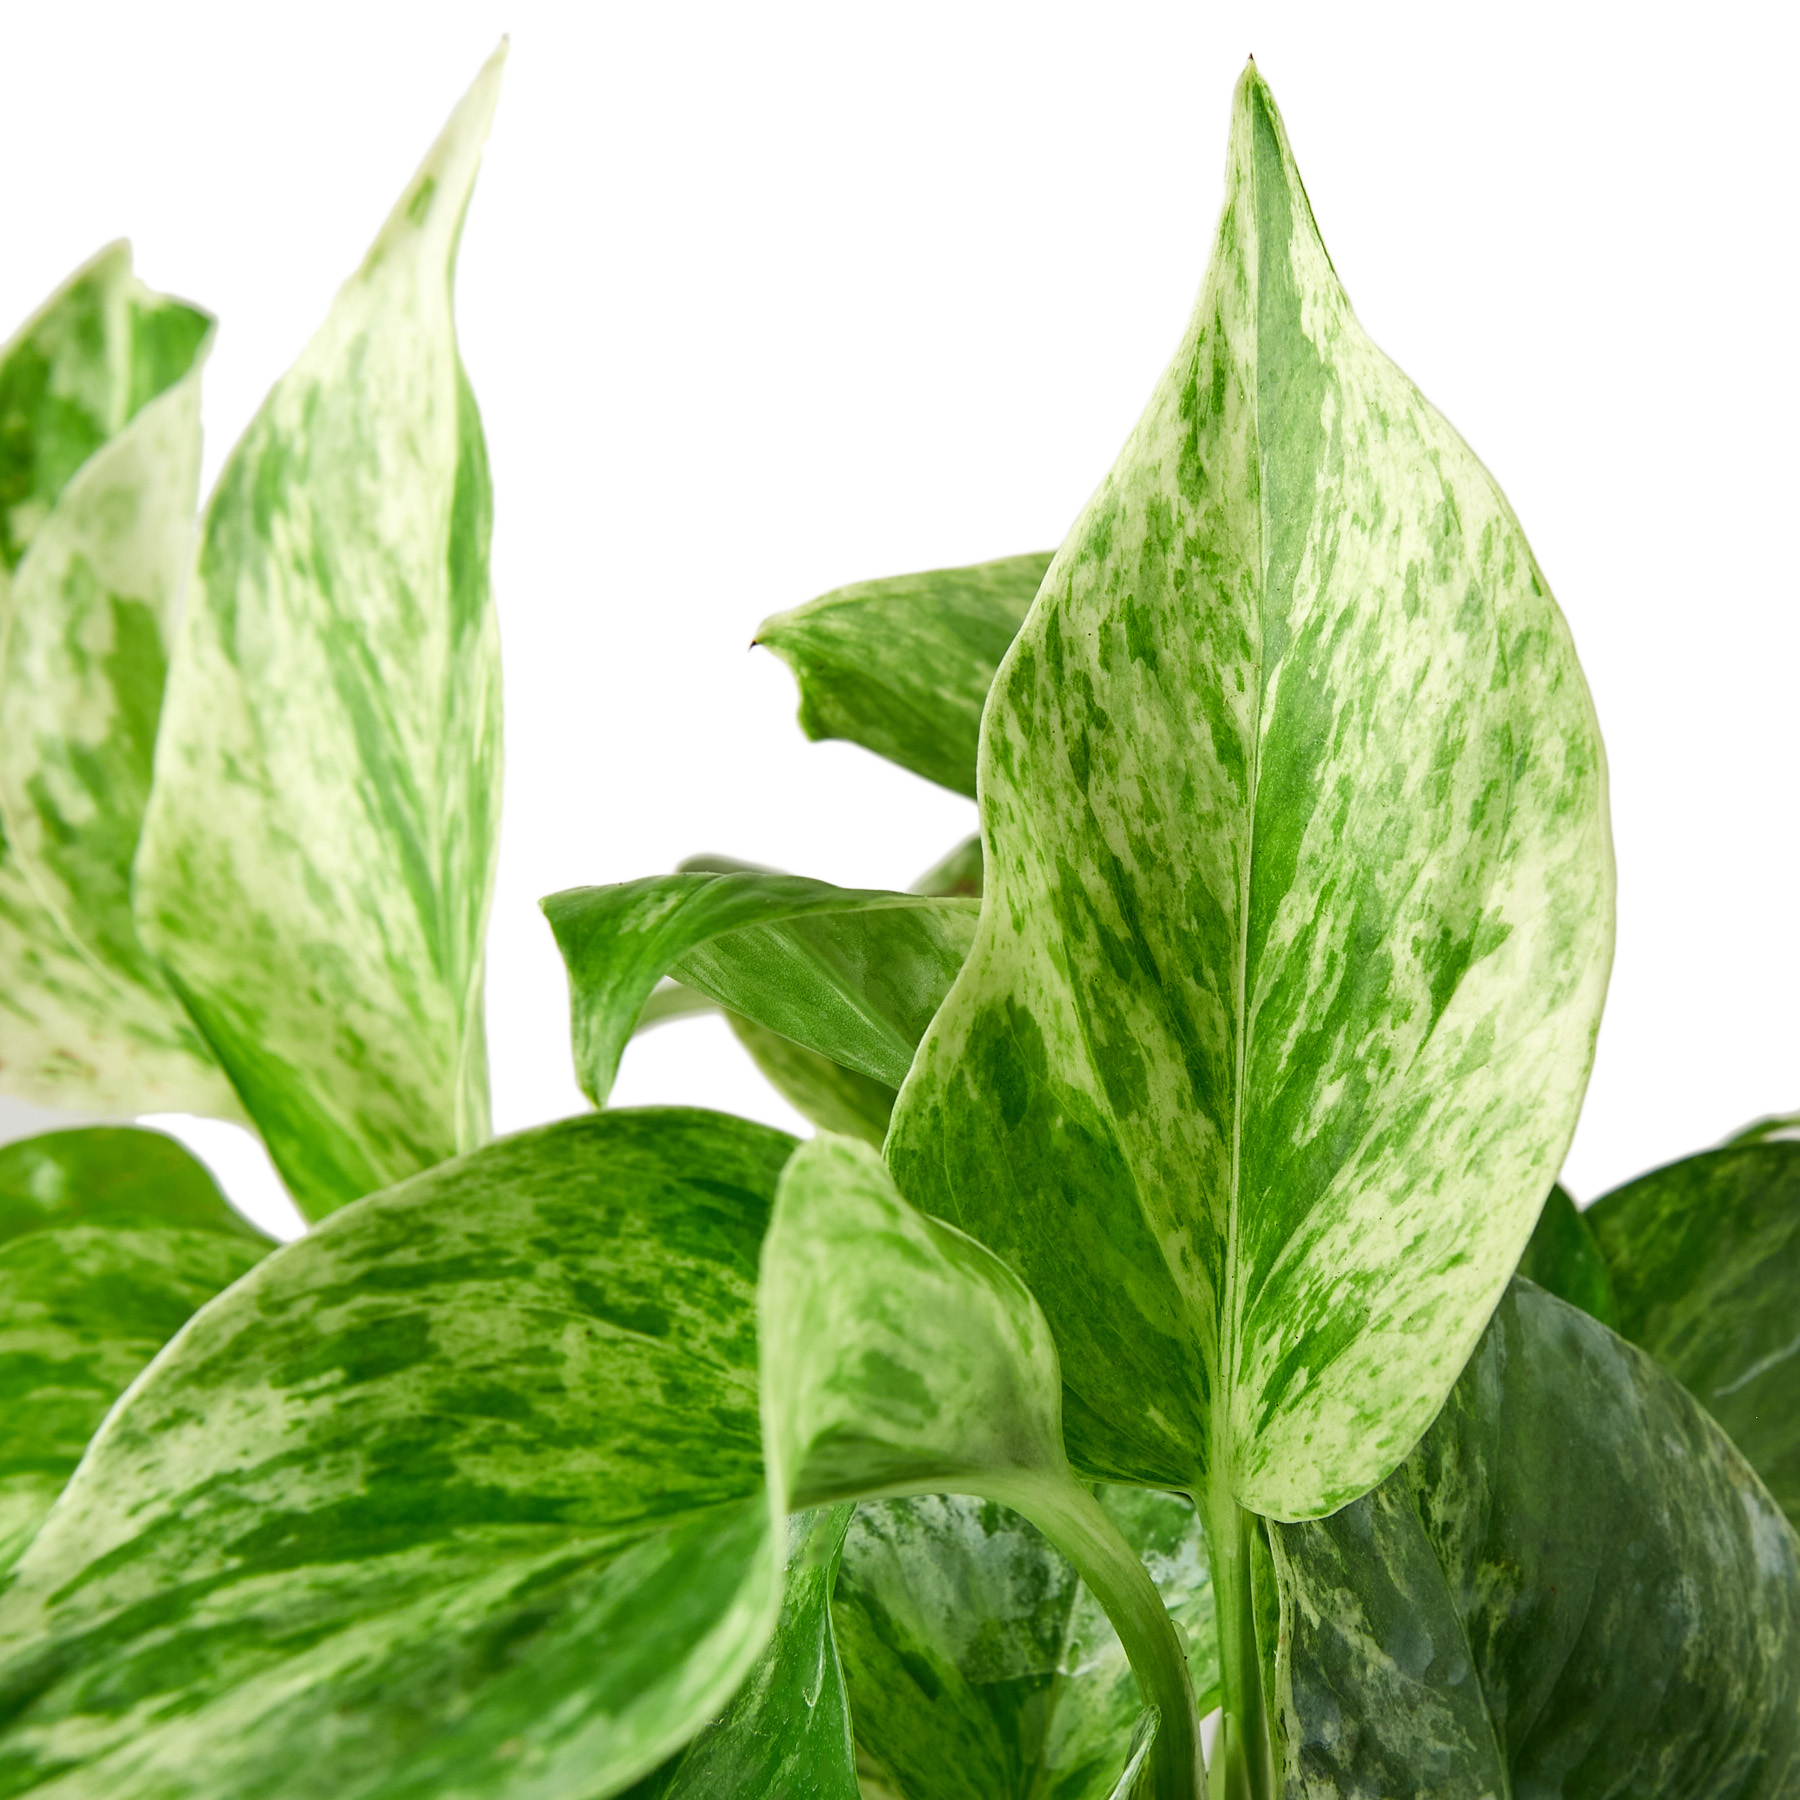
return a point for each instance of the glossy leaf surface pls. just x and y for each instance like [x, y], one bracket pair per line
[360, 1530]
[1564, 1257]
[318, 854]
[99, 1173]
[832, 1097]
[99, 465]
[786, 1733]
[83, 1308]
[853, 974]
[1574, 1586]
[901, 1357]
[1298, 905]
[1705, 1259]
[903, 666]
[981, 1667]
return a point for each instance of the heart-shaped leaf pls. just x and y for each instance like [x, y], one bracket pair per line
[1704, 1256]
[853, 974]
[1574, 1586]
[1297, 918]
[319, 850]
[360, 1529]
[903, 666]
[99, 466]
[981, 1667]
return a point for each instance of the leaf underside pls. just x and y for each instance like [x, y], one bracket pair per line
[319, 849]
[903, 666]
[1298, 905]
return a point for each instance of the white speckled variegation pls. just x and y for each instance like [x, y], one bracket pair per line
[318, 855]
[1299, 905]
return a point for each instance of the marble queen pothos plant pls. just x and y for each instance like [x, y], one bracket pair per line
[1167, 1319]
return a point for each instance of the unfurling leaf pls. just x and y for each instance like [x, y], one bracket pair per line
[852, 974]
[980, 1667]
[901, 1357]
[319, 849]
[361, 1528]
[1564, 1258]
[1573, 1586]
[786, 1733]
[99, 466]
[903, 666]
[1704, 1257]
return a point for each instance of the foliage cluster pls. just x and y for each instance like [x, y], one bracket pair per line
[1167, 1318]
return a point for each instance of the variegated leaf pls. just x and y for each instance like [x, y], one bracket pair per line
[901, 1357]
[83, 1308]
[103, 1173]
[1297, 919]
[99, 465]
[903, 666]
[832, 1097]
[318, 854]
[360, 1529]
[93, 356]
[850, 973]
[1574, 1586]
[1778, 1128]
[958, 873]
[1565, 1258]
[786, 1733]
[981, 1667]
[1704, 1257]
[1298, 903]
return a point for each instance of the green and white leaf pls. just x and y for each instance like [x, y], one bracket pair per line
[901, 1357]
[981, 1666]
[88, 361]
[1574, 1586]
[1298, 906]
[853, 974]
[903, 666]
[83, 1308]
[99, 468]
[99, 1174]
[1564, 1257]
[1704, 1257]
[318, 854]
[360, 1529]
[1777, 1128]
[786, 1733]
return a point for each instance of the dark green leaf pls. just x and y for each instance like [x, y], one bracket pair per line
[1574, 1586]
[101, 1173]
[786, 1733]
[1564, 1258]
[460, 1494]
[903, 666]
[851, 973]
[982, 1668]
[1777, 1127]
[1705, 1260]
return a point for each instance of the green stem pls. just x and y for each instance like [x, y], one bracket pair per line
[1243, 1764]
[1071, 1518]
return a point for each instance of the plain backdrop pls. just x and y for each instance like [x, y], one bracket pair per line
[762, 299]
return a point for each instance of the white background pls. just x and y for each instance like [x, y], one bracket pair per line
[759, 299]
